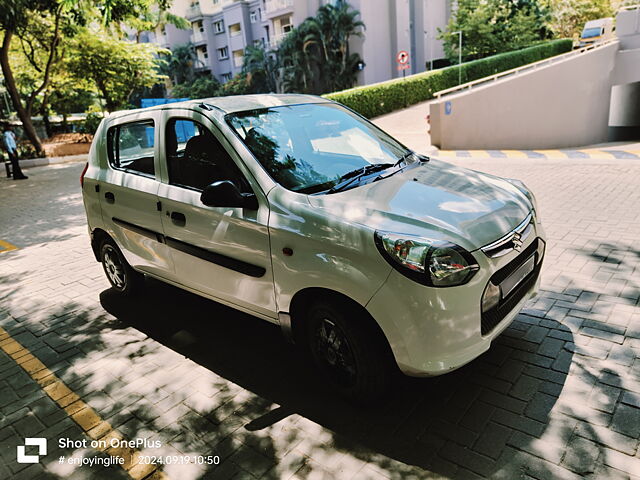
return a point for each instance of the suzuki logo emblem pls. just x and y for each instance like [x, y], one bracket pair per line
[517, 243]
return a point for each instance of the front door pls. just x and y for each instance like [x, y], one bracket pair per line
[223, 252]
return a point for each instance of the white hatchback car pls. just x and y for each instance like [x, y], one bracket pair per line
[299, 211]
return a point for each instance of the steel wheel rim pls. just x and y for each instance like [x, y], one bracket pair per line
[113, 267]
[334, 352]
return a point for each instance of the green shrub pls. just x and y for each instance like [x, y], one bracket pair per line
[381, 98]
[91, 123]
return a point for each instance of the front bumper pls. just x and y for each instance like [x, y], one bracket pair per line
[432, 331]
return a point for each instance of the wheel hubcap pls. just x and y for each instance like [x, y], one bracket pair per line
[113, 267]
[334, 352]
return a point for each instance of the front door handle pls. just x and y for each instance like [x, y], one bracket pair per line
[178, 219]
[110, 197]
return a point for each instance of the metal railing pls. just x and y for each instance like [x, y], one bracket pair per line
[193, 11]
[198, 37]
[516, 71]
[276, 40]
[273, 5]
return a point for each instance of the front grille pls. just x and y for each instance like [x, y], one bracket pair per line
[511, 240]
[493, 317]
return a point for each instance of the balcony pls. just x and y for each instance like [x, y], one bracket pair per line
[198, 38]
[276, 40]
[275, 5]
[193, 11]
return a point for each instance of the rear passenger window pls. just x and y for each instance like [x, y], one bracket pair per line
[131, 147]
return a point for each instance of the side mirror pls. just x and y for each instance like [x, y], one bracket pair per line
[225, 194]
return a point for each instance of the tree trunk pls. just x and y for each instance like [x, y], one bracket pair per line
[10, 83]
[44, 111]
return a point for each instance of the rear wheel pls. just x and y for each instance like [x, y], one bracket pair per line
[348, 350]
[121, 276]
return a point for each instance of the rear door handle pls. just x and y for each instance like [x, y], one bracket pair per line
[110, 197]
[178, 219]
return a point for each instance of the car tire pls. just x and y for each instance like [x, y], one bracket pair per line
[122, 277]
[349, 350]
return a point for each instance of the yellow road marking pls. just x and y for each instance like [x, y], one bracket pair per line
[598, 154]
[6, 246]
[478, 153]
[447, 153]
[515, 154]
[80, 412]
[552, 153]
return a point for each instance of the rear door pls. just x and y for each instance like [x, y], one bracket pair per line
[223, 252]
[128, 189]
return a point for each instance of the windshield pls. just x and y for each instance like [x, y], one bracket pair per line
[308, 148]
[591, 32]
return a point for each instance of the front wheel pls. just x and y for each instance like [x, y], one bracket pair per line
[121, 276]
[348, 349]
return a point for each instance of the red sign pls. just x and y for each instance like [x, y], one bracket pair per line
[404, 67]
[402, 57]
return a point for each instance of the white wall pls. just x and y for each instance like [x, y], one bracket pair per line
[563, 104]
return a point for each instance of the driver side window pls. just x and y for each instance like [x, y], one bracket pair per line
[195, 158]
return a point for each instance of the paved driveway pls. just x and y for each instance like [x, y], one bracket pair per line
[557, 396]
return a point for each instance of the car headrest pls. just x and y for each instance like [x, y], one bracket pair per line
[198, 149]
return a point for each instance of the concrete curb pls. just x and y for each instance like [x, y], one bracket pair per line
[39, 162]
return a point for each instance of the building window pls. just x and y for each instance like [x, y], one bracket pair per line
[253, 16]
[218, 26]
[198, 26]
[205, 54]
[226, 77]
[223, 53]
[216, 2]
[235, 29]
[238, 58]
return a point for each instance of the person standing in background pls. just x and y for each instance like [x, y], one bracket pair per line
[9, 141]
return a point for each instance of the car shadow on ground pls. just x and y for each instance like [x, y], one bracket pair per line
[473, 417]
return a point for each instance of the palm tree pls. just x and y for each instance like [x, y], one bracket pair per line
[261, 69]
[179, 64]
[327, 39]
[296, 64]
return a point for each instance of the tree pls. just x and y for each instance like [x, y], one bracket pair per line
[327, 40]
[494, 26]
[179, 64]
[297, 65]
[18, 18]
[156, 18]
[261, 69]
[315, 56]
[15, 16]
[201, 87]
[116, 67]
[569, 16]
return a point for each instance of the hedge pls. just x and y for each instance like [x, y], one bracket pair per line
[385, 97]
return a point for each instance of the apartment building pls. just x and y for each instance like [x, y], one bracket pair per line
[222, 29]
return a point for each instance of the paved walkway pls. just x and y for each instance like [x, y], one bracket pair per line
[557, 396]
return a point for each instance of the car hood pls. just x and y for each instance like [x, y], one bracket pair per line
[435, 200]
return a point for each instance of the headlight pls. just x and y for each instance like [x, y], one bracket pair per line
[527, 193]
[430, 262]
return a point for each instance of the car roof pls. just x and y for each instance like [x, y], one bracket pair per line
[235, 103]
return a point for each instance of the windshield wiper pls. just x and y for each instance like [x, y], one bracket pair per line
[403, 158]
[354, 175]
